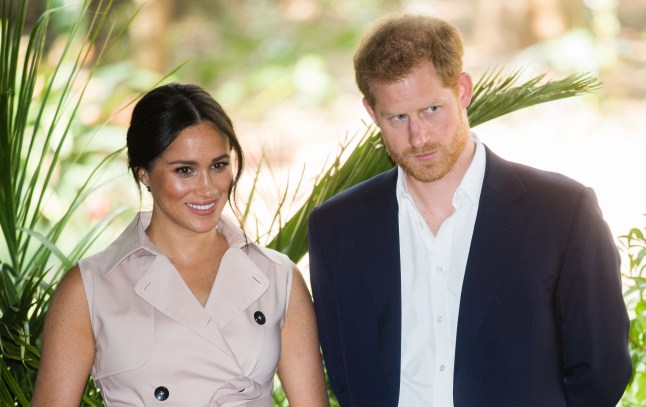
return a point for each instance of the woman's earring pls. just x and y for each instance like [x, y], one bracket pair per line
[148, 188]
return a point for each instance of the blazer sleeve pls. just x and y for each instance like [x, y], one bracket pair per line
[324, 294]
[592, 312]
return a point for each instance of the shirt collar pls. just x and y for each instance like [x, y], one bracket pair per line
[471, 184]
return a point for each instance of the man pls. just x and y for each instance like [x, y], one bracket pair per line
[459, 278]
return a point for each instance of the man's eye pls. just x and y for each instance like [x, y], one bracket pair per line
[399, 117]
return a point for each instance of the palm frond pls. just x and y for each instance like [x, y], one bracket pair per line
[20, 331]
[68, 101]
[496, 94]
[10, 390]
[366, 159]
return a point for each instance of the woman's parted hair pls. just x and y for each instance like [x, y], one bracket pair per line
[166, 111]
[398, 44]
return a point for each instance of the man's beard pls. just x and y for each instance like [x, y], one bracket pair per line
[445, 158]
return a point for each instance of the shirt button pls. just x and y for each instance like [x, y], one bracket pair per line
[161, 393]
[259, 317]
[440, 319]
[439, 269]
[442, 368]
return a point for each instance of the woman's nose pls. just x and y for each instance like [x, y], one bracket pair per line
[206, 186]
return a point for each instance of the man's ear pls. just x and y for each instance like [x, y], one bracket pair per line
[369, 109]
[465, 89]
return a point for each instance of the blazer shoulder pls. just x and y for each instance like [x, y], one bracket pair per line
[502, 173]
[367, 192]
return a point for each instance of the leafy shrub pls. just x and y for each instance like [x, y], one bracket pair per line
[633, 245]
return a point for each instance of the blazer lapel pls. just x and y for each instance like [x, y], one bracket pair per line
[379, 246]
[497, 224]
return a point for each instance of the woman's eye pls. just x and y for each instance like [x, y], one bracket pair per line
[220, 166]
[184, 171]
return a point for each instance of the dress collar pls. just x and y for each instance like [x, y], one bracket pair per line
[134, 239]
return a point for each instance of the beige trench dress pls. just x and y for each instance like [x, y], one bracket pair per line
[157, 346]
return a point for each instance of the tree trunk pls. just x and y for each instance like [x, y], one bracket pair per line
[148, 32]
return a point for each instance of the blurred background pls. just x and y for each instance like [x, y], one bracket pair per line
[283, 71]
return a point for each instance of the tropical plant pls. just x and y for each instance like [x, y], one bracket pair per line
[633, 245]
[37, 110]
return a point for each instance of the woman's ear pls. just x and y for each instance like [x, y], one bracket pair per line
[142, 174]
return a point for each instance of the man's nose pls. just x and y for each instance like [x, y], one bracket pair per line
[417, 132]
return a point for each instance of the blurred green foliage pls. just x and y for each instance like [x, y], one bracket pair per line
[255, 53]
[38, 131]
[634, 248]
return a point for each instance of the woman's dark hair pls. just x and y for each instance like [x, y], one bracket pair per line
[166, 111]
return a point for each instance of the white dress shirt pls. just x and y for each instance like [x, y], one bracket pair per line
[432, 272]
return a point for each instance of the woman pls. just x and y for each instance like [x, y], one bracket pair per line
[182, 310]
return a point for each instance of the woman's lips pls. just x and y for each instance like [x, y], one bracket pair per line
[202, 209]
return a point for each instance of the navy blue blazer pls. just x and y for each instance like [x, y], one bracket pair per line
[542, 321]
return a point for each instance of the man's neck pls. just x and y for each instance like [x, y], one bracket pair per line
[434, 200]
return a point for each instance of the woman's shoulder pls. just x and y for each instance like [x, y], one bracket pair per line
[272, 255]
[276, 266]
[258, 253]
[129, 241]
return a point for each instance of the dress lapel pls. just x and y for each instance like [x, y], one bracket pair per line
[238, 285]
[163, 288]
